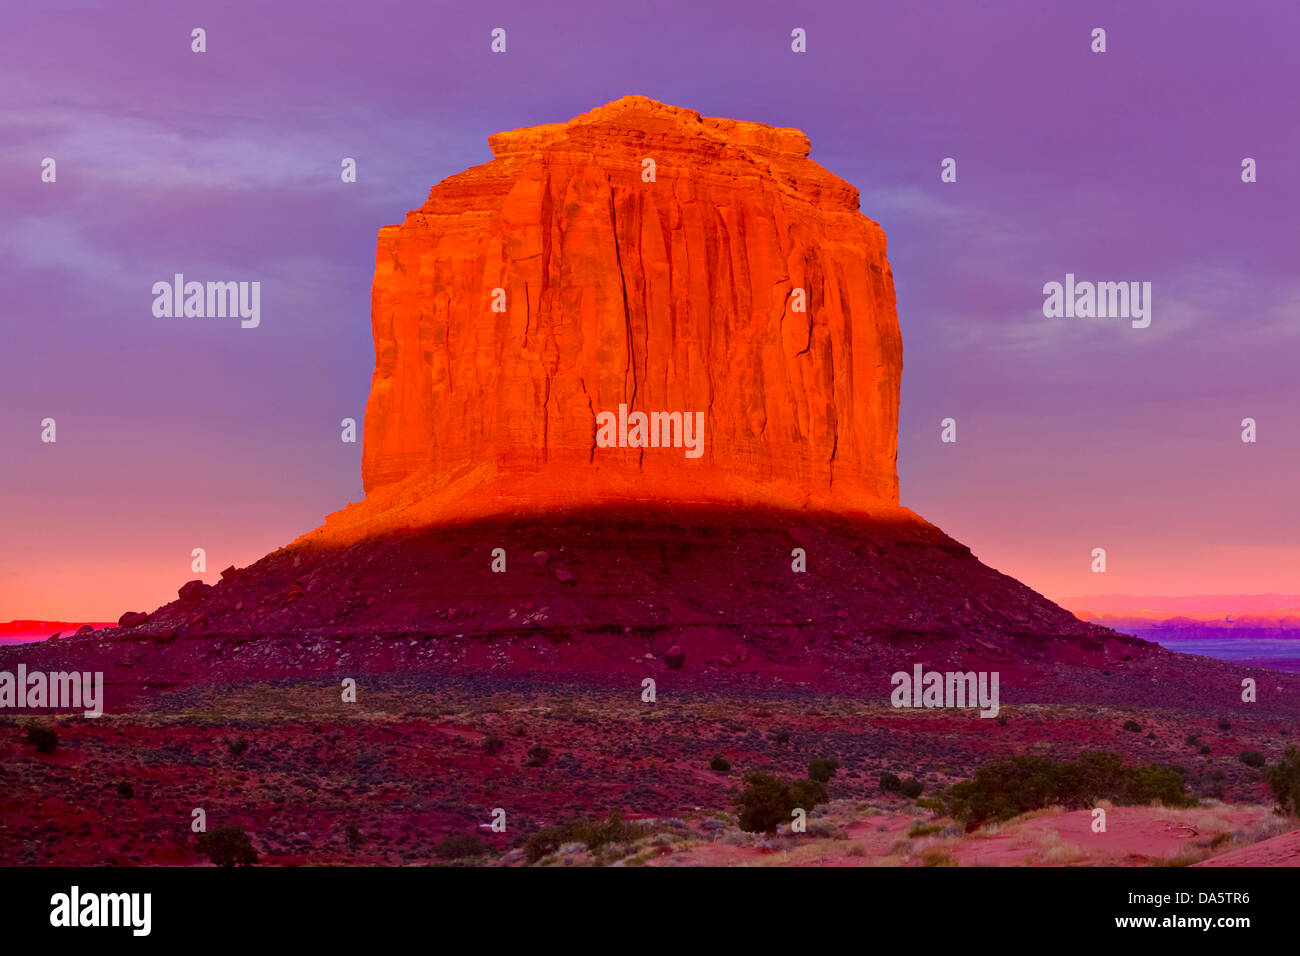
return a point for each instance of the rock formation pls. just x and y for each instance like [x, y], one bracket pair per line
[782, 546]
[640, 255]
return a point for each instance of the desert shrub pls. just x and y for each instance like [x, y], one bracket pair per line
[593, 833]
[44, 739]
[1133, 726]
[517, 730]
[911, 787]
[538, 755]
[542, 843]
[124, 788]
[806, 794]
[1205, 749]
[352, 833]
[237, 746]
[890, 782]
[719, 764]
[459, 846]
[492, 743]
[782, 736]
[767, 800]
[598, 833]
[1284, 781]
[1212, 784]
[1193, 740]
[822, 769]
[937, 858]
[228, 845]
[1225, 723]
[764, 803]
[1009, 786]
[1251, 758]
[921, 830]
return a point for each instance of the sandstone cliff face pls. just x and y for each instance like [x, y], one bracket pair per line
[672, 295]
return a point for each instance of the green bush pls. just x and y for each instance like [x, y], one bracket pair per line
[822, 769]
[764, 803]
[890, 782]
[1284, 781]
[459, 846]
[352, 833]
[44, 739]
[124, 789]
[593, 833]
[1132, 725]
[542, 843]
[720, 764]
[1205, 749]
[228, 846]
[1251, 758]
[1009, 786]
[911, 787]
[492, 743]
[1225, 724]
[806, 794]
[767, 800]
[538, 755]
[237, 747]
[598, 833]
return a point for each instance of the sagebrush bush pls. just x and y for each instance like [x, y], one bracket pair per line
[44, 739]
[228, 845]
[1284, 781]
[822, 769]
[593, 833]
[460, 846]
[1010, 786]
[767, 800]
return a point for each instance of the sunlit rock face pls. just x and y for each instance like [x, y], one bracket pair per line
[643, 256]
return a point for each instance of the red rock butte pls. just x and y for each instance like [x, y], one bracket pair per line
[640, 255]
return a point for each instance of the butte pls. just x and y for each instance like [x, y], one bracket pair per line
[645, 256]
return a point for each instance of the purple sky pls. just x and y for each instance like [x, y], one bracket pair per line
[1072, 434]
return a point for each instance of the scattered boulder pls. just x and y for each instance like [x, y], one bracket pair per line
[675, 657]
[132, 619]
[564, 576]
[192, 591]
[83, 630]
[541, 557]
